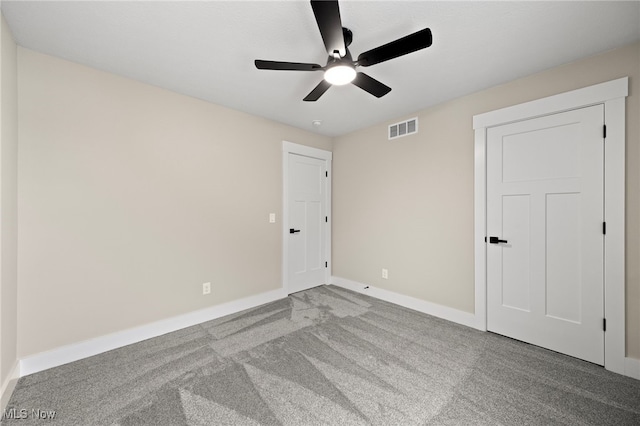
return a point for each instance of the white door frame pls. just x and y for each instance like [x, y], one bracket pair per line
[612, 95]
[327, 156]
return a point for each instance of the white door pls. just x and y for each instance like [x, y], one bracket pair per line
[545, 206]
[307, 201]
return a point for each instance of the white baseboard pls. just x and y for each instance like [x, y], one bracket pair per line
[632, 367]
[8, 385]
[75, 351]
[440, 311]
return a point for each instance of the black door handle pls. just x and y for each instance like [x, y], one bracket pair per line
[495, 240]
[293, 231]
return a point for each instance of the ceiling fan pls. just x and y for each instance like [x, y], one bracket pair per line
[341, 68]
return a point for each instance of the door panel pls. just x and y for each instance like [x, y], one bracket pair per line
[563, 257]
[297, 249]
[315, 255]
[307, 211]
[516, 260]
[526, 155]
[545, 198]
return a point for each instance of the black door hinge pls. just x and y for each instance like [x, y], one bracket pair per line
[325, 264]
[604, 324]
[604, 131]
[326, 218]
[604, 228]
[326, 174]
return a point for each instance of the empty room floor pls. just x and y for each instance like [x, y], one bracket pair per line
[328, 356]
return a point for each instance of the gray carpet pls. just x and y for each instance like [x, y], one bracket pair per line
[328, 356]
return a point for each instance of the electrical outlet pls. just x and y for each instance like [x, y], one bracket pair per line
[272, 218]
[206, 288]
[385, 273]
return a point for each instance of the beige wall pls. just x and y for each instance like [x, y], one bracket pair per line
[131, 197]
[8, 205]
[407, 204]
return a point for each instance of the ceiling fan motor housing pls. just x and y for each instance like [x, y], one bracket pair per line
[348, 36]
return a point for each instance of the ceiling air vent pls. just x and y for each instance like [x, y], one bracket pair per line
[403, 128]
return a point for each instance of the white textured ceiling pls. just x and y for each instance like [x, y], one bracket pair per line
[206, 49]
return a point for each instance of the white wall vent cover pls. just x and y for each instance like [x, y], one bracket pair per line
[404, 128]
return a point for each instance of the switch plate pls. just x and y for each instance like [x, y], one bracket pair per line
[385, 273]
[206, 288]
[272, 218]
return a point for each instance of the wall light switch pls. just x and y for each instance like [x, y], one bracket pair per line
[272, 218]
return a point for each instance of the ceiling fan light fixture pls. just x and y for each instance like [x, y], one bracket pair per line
[339, 75]
[341, 68]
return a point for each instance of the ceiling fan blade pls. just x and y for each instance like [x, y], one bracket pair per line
[402, 46]
[286, 66]
[319, 90]
[327, 15]
[371, 85]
